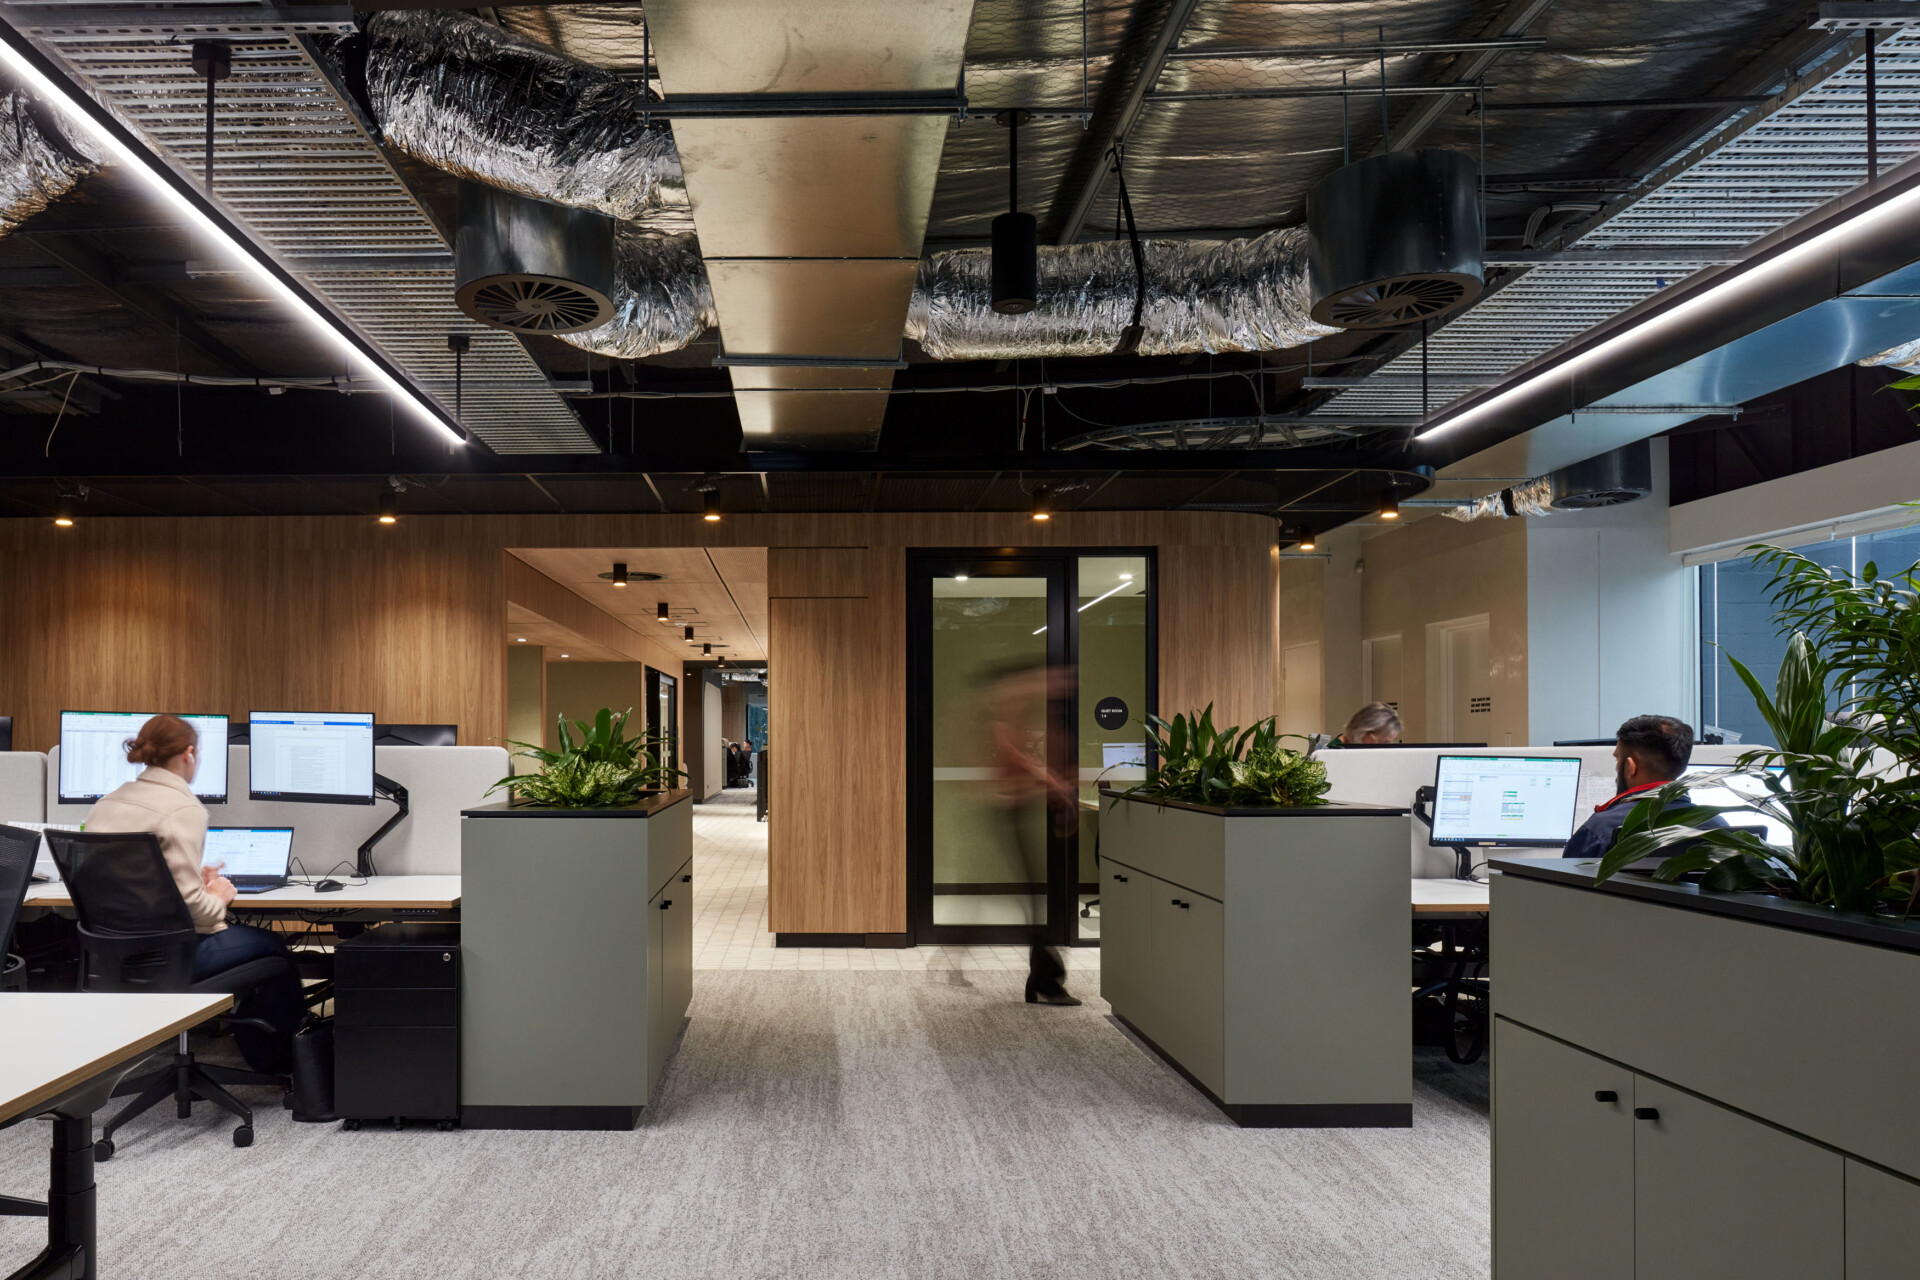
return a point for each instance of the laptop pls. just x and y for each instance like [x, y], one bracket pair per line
[256, 859]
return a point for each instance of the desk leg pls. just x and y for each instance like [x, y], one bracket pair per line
[70, 1206]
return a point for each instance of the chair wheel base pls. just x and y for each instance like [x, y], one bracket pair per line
[243, 1136]
[103, 1150]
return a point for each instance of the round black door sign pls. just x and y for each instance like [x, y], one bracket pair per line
[1110, 713]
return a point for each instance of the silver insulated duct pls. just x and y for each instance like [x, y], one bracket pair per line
[1609, 480]
[467, 97]
[1202, 295]
[530, 266]
[661, 301]
[39, 163]
[1396, 239]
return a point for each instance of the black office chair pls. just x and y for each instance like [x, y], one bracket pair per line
[17, 851]
[136, 935]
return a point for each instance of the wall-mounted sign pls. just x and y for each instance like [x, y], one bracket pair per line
[1110, 713]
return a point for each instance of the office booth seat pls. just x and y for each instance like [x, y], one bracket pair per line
[136, 935]
[18, 849]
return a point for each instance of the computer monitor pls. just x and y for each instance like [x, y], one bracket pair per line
[1121, 755]
[93, 754]
[1708, 784]
[416, 735]
[6, 733]
[315, 757]
[1510, 800]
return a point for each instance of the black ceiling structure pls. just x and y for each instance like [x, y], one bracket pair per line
[1228, 112]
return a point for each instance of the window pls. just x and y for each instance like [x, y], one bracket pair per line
[1736, 618]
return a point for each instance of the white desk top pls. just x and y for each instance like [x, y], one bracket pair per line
[442, 892]
[58, 1039]
[1450, 895]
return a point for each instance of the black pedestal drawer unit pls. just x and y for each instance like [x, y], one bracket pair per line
[396, 1006]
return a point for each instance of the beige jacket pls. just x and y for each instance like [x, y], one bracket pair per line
[163, 802]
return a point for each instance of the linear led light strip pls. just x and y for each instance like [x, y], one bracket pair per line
[38, 77]
[1102, 596]
[1726, 293]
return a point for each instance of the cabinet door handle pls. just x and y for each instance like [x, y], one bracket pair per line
[666, 904]
[1646, 1113]
[1182, 905]
[686, 879]
[1605, 1095]
[1122, 879]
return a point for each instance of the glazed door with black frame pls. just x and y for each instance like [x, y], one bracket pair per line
[663, 695]
[997, 702]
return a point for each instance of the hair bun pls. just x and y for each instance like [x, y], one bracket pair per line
[160, 740]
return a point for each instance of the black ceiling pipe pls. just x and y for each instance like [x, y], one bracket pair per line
[1016, 237]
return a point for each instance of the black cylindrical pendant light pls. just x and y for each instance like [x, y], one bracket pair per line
[620, 573]
[689, 633]
[663, 613]
[1016, 237]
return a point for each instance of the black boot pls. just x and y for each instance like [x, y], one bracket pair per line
[1047, 978]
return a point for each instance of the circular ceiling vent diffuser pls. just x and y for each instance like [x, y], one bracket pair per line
[534, 304]
[1394, 239]
[530, 266]
[636, 575]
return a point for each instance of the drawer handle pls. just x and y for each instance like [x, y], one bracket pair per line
[1646, 1113]
[1605, 1095]
[686, 879]
[1122, 879]
[1182, 905]
[666, 904]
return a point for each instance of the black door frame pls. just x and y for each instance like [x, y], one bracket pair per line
[1061, 567]
[655, 678]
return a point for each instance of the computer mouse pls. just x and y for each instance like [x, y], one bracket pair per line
[328, 886]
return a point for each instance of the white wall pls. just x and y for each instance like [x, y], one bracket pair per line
[1611, 619]
[1874, 485]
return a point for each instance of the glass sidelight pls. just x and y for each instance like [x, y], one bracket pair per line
[1029, 674]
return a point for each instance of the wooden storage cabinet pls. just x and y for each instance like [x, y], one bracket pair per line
[1605, 1172]
[1651, 1183]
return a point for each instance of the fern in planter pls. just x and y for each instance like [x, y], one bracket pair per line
[1199, 764]
[1844, 784]
[604, 770]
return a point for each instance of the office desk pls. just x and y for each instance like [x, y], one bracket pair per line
[1450, 897]
[380, 898]
[65, 1052]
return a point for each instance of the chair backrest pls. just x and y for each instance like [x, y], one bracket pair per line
[135, 931]
[18, 849]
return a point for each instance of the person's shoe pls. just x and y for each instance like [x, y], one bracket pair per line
[1039, 992]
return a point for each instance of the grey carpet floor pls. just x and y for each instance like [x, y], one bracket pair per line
[824, 1125]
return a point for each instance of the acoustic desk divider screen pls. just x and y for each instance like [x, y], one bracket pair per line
[1508, 800]
[93, 756]
[315, 757]
[416, 735]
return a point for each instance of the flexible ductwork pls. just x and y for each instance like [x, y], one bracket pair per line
[1619, 476]
[661, 301]
[39, 163]
[467, 97]
[1905, 357]
[1202, 295]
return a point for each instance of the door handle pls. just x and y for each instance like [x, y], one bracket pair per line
[1605, 1095]
[1646, 1113]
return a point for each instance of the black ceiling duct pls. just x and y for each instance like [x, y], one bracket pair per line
[1016, 237]
[1395, 239]
[1624, 475]
[530, 266]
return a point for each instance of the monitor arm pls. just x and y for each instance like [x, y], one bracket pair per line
[1463, 853]
[387, 789]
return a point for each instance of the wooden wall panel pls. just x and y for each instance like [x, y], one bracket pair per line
[1217, 641]
[833, 757]
[814, 572]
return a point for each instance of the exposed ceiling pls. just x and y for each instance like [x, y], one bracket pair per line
[1599, 121]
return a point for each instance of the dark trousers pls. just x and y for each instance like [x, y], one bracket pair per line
[276, 1003]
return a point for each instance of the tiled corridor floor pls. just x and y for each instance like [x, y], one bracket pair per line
[730, 911]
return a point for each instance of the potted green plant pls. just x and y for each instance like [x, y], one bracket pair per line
[604, 769]
[1843, 776]
[1254, 933]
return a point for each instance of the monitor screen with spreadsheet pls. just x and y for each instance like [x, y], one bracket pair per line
[93, 754]
[1513, 800]
[321, 757]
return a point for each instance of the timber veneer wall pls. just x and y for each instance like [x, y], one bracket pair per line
[232, 613]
